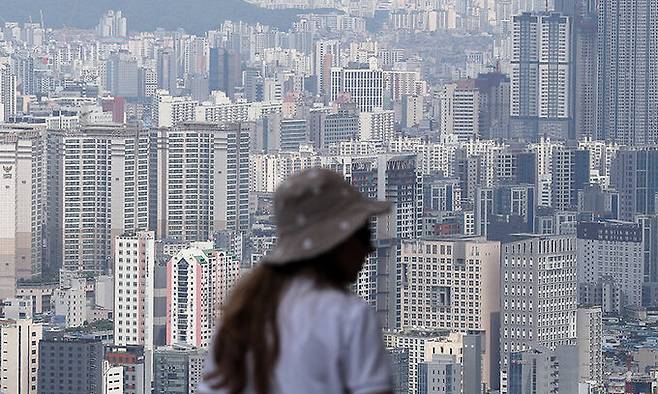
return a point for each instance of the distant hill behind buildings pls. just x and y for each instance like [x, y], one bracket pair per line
[195, 16]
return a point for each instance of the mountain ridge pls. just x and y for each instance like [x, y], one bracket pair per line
[195, 16]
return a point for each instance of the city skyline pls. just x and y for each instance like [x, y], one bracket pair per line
[517, 142]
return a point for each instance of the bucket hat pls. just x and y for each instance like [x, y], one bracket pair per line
[315, 211]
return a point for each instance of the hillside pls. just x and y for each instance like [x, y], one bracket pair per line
[195, 16]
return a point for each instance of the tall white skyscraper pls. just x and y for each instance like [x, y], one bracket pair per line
[453, 285]
[19, 360]
[569, 174]
[167, 70]
[610, 265]
[112, 24]
[589, 328]
[104, 191]
[400, 83]
[326, 54]
[397, 179]
[134, 293]
[538, 296]
[134, 271]
[7, 91]
[412, 110]
[460, 110]
[584, 58]
[22, 193]
[237, 175]
[628, 58]
[540, 80]
[203, 180]
[361, 84]
[544, 151]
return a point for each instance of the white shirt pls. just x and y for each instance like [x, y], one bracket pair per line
[330, 342]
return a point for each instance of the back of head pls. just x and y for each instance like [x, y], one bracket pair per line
[316, 212]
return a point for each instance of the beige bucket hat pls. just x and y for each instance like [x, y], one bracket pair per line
[315, 211]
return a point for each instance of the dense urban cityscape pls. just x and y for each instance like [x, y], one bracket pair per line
[516, 139]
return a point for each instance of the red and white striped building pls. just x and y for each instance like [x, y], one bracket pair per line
[199, 279]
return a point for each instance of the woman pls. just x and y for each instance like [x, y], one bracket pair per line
[291, 326]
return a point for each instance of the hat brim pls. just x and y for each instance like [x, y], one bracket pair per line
[319, 238]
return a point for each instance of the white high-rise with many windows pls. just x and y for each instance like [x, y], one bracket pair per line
[453, 284]
[460, 110]
[627, 59]
[7, 92]
[22, 192]
[540, 76]
[169, 111]
[589, 326]
[361, 84]
[112, 24]
[268, 171]
[400, 83]
[326, 54]
[610, 265]
[104, 191]
[19, 360]
[134, 270]
[134, 292]
[203, 180]
[377, 125]
[538, 295]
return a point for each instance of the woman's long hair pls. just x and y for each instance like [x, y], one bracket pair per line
[247, 345]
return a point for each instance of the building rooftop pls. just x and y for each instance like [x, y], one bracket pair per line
[419, 332]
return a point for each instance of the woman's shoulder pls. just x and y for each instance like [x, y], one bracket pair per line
[328, 302]
[330, 293]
